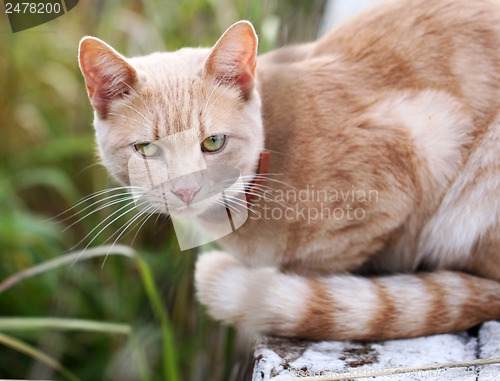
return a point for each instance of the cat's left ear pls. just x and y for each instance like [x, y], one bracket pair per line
[234, 56]
[107, 74]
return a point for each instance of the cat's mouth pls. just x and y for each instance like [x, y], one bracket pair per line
[177, 209]
[212, 209]
[202, 209]
[185, 211]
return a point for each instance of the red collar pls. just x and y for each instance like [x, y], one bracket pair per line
[262, 171]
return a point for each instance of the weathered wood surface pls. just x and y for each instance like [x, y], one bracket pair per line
[280, 359]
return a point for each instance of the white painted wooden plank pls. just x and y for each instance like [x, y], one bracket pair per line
[489, 346]
[278, 359]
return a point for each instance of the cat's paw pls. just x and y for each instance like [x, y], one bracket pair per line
[256, 299]
[219, 282]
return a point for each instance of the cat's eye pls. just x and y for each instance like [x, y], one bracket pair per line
[213, 143]
[147, 149]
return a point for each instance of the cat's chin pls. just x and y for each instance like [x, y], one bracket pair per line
[186, 211]
[204, 212]
[192, 210]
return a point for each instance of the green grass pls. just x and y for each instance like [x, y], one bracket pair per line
[132, 316]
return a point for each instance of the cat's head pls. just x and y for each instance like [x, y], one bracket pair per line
[161, 118]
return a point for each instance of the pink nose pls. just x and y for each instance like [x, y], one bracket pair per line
[186, 194]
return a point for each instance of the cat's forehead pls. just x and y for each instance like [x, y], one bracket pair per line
[184, 62]
[172, 89]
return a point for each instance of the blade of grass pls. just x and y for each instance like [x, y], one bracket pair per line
[27, 349]
[67, 259]
[19, 324]
[170, 364]
[141, 359]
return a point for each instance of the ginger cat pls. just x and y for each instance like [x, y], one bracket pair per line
[379, 215]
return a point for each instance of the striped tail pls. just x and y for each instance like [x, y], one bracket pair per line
[343, 307]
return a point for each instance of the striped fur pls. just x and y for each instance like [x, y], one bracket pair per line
[395, 115]
[344, 307]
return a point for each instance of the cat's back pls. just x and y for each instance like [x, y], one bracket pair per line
[448, 45]
[412, 25]
[404, 26]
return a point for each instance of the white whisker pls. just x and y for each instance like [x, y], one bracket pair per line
[216, 86]
[100, 231]
[226, 205]
[148, 216]
[126, 117]
[124, 229]
[240, 203]
[140, 98]
[89, 197]
[126, 105]
[127, 224]
[106, 219]
[107, 205]
[279, 203]
[93, 204]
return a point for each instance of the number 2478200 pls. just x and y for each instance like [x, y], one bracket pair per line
[32, 8]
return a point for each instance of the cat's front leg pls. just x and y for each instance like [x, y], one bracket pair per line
[223, 284]
[343, 307]
[241, 295]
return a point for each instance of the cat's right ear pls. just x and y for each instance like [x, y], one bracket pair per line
[108, 76]
[234, 56]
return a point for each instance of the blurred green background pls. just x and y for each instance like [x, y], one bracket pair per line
[146, 322]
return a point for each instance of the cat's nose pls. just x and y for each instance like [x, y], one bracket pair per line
[186, 194]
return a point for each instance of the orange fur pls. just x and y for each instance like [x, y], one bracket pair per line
[402, 101]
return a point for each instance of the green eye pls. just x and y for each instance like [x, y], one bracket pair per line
[213, 143]
[147, 149]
